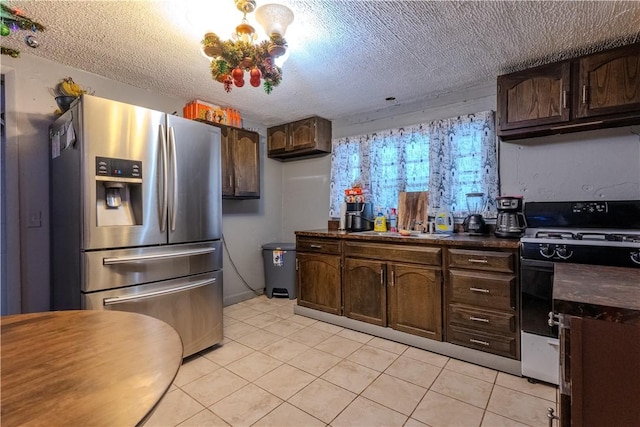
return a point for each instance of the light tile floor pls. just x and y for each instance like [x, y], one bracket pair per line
[275, 368]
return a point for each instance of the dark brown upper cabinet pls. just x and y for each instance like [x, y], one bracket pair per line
[302, 138]
[590, 92]
[240, 162]
[609, 83]
[534, 97]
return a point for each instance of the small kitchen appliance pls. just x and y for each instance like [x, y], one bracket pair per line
[359, 217]
[510, 221]
[595, 233]
[474, 223]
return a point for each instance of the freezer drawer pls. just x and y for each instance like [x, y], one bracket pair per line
[192, 305]
[117, 268]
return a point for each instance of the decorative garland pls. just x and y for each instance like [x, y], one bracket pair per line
[16, 21]
[233, 58]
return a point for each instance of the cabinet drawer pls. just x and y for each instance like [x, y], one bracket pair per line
[489, 290]
[486, 320]
[312, 244]
[483, 341]
[483, 260]
[400, 253]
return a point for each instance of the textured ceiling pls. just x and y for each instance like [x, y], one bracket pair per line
[346, 57]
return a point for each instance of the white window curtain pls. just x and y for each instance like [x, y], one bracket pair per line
[463, 160]
[448, 158]
[385, 163]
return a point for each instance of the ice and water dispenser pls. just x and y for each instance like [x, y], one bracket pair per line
[118, 191]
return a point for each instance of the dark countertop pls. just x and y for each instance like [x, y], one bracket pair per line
[454, 239]
[598, 292]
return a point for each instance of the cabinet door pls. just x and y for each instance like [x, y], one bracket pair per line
[365, 294]
[277, 139]
[604, 372]
[415, 295]
[303, 134]
[609, 83]
[534, 97]
[226, 149]
[246, 164]
[318, 282]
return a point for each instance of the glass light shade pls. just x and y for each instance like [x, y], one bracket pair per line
[279, 61]
[275, 18]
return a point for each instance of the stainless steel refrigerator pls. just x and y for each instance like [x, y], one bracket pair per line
[136, 216]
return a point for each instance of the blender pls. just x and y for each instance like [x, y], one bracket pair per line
[474, 223]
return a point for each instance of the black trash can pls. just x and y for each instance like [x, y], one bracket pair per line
[280, 269]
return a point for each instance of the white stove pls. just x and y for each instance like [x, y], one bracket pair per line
[595, 233]
[600, 233]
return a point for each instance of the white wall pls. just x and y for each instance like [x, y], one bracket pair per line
[593, 165]
[305, 195]
[246, 224]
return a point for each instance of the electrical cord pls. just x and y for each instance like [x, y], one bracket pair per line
[255, 291]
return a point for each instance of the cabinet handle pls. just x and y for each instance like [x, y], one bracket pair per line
[315, 246]
[393, 278]
[481, 290]
[564, 99]
[230, 181]
[478, 261]
[474, 341]
[479, 319]
[382, 276]
[296, 264]
[584, 94]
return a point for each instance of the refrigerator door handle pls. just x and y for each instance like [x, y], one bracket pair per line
[119, 300]
[168, 255]
[174, 174]
[163, 154]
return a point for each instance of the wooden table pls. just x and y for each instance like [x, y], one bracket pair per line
[85, 367]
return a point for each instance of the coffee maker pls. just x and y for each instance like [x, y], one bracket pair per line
[510, 221]
[359, 217]
[474, 223]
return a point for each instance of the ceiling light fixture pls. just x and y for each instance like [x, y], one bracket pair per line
[231, 58]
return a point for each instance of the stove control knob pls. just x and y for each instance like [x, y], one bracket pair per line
[635, 257]
[562, 252]
[546, 250]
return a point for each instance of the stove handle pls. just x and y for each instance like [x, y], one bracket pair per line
[554, 319]
[551, 416]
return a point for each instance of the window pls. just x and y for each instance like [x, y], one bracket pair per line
[448, 158]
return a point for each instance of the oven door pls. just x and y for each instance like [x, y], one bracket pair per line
[536, 297]
[540, 351]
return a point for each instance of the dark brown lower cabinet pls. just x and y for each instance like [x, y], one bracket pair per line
[481, 300]
[365, 295]
[601, 365]
[406, 297]
[318, 282]
[415, 300]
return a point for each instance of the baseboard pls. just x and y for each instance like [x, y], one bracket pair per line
[242, 296]
[488, 360]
